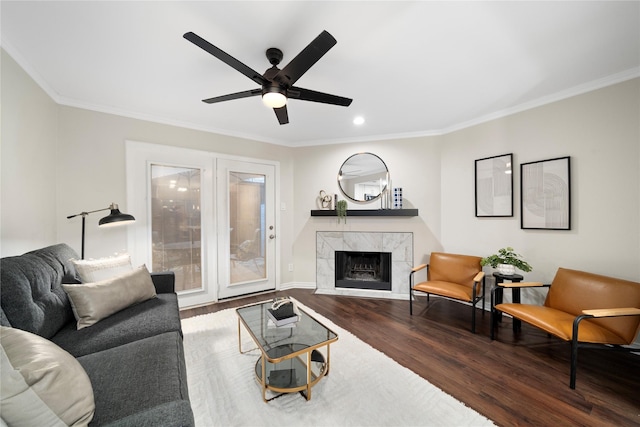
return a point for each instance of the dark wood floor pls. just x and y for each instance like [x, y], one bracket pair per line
[514, 380]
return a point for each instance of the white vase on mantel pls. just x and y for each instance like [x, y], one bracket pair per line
[507, 269]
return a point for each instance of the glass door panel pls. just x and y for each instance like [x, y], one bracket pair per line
[247, 227]
[176, 224]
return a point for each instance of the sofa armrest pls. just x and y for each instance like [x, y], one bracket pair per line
[165, 282]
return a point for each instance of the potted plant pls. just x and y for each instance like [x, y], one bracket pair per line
[341, 208]
[506, 261]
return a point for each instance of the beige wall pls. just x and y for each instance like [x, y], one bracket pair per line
[92, 146]
[29, 161]
[59, 160]
[600, 130]
[414, 165]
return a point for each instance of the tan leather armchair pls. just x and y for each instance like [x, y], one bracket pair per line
[587, 309]
[459, 277]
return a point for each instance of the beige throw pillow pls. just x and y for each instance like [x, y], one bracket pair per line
[92, 302]
[42, 385]
[95, 270]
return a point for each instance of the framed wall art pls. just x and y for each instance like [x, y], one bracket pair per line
[494, 186]
[545, 194]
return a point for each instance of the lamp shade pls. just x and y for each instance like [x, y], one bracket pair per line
[274, 96]
[115, 217]
[274, 99]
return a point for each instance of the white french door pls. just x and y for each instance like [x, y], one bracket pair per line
[208, 218]
[246, 227]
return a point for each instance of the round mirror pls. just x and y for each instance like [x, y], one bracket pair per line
[363, 177]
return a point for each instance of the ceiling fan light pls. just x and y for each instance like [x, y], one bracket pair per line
[274, 99]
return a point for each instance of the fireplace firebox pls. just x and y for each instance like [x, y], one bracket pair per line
[363, 270]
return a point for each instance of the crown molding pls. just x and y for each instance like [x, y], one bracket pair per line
[568, 93]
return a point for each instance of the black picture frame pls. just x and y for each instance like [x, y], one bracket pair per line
[494, 186]
[545, 194]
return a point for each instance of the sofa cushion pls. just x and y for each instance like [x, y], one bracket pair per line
[92, 302]
[151, 317]
[151, 373]
[32, 296]
[96, 270]
[164, 281]
[41, 383]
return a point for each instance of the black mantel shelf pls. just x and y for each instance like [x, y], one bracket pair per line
[367, 212]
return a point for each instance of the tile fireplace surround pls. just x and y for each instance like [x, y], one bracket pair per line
[399, 244]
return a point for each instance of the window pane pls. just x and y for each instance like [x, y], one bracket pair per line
[247, 222]
[175, 224]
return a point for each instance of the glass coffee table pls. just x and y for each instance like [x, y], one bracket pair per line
[291, 360]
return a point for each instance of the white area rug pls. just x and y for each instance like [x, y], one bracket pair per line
[364, 387]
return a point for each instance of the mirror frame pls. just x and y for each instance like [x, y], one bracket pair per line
[385, 178]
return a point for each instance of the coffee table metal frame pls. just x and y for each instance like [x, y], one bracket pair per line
[286, 345]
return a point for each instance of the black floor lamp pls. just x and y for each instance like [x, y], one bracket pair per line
[114, 218]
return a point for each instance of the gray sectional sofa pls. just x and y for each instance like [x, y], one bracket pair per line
[133, 358]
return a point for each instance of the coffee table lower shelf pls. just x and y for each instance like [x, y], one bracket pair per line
[295, 374]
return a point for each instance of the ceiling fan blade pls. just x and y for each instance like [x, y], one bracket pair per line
[312, 95]
[226, 58]
[237, 95]
[282, 115]
[305, 59]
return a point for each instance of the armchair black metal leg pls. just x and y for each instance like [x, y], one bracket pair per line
[574, 351]
[411, 294]
[473, 318]
[574, 363]
[493, 323]
[410, 302]
[494, 317]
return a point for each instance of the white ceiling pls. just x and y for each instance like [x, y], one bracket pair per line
[412, 67]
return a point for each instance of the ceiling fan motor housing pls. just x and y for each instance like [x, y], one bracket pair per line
[274, 55]
[273, 88]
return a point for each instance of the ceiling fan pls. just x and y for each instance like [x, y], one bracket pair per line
[277, 84]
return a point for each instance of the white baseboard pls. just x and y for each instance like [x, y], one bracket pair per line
[364, 293]
[296, 285]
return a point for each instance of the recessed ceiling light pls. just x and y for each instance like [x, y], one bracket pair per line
[358, 120]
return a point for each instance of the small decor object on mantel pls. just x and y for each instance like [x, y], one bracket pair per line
[341, 210]
[506, 261]
[325, 200]
[397, 198]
